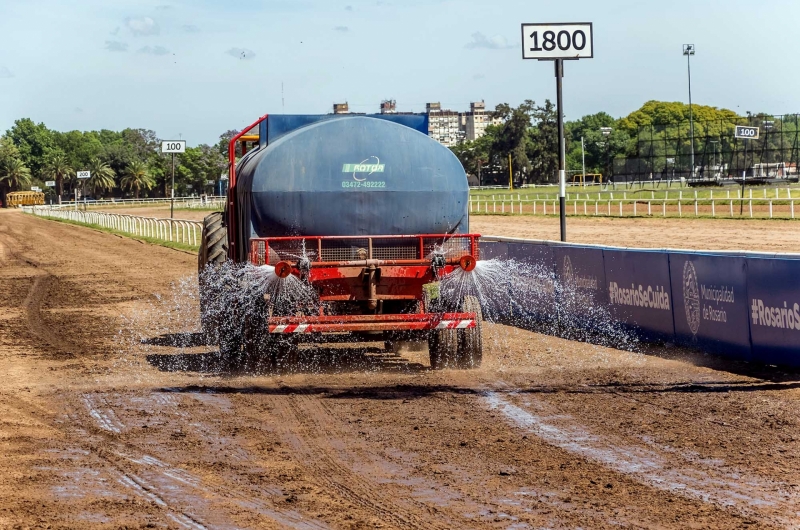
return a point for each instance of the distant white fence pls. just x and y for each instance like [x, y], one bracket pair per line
[781, 204]
[208, 201]
[175, 230]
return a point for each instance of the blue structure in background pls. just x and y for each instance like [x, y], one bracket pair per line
[740, 305]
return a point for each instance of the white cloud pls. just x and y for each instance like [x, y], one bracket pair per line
[241, 53]
[142, 26]
[154, 50]
[479, 40]
[190, 28]
[116, 46]
[5, 73]
[343, 29]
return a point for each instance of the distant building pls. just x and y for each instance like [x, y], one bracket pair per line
[341, 108]
[388, 106]
[476, 120]
[444, 126]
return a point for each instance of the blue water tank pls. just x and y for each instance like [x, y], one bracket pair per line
[353, 175]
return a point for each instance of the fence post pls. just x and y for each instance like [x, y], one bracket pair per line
[791, 203]
[648, 208]
[770, 208]
[664, 208]
[634, 208]
[620, 208]
[713, 212]
[731, 203]
[680, 214]
[750, 205]
[695, 204]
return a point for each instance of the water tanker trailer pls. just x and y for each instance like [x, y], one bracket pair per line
[366, 212]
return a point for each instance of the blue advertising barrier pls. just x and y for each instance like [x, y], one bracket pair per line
[494, 250]
[541, 287]
[741, 305]
[709, 294]
[639, 291]
[773, 306]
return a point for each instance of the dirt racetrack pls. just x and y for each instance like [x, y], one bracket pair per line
[687, 233]
[99, 431]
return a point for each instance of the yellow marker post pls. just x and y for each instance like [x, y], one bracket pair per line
[510, 174]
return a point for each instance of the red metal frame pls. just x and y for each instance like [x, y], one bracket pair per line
[232, 234]
[338, 281]
[342, 281]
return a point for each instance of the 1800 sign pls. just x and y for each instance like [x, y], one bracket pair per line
[557, 41]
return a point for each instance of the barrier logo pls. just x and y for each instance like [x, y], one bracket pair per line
[368, 165]
[576, 280]
[691, 297]
[568, 274]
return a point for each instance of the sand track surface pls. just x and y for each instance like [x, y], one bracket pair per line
[100, 430]
[687, 233]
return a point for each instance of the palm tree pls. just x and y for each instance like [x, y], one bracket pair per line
[58, 168]
[102, 176]
[137, 177]
[13, 174]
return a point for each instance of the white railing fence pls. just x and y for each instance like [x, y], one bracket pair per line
[618, 207]
[207, 201]
[175, 230]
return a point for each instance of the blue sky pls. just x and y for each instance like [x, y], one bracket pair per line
[197, 68]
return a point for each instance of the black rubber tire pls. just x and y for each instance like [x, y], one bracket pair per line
[443, 348]
[470, 341]
[213, 253]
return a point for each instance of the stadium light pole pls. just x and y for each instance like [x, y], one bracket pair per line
[688, 51]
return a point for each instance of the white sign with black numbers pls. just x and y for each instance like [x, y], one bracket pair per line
[50, 183]
[557, 41]
[173, 146]
[84, 174]
[746, 132]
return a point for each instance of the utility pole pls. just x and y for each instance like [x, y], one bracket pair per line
[688, 51]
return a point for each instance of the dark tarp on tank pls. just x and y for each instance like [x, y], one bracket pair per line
[281, 124]
[353, 176]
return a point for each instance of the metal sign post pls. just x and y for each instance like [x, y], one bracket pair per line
[82, 176]
[746, 133]
[173, 146]
[559, 42]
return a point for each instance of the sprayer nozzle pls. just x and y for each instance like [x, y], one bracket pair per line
[467, 262]
[283, 269]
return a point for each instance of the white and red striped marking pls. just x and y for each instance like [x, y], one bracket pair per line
[456, 324]
[290, 328]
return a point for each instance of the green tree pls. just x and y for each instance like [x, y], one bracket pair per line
[34, 141]
[57, 168]
[102, 176]
[13, 175]
[137, 178]
[543, 143]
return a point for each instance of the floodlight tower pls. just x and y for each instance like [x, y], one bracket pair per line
[688, 51]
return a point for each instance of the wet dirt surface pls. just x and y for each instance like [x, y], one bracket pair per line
[97, 431]
[704, 234]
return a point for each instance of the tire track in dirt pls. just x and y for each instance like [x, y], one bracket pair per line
[301, 430]
[178, 492]
[649, 465]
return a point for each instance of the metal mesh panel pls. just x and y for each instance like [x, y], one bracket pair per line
[345, 249]
[292, 250]
[452, 248]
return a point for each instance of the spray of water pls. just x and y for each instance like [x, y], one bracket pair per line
[532, 297]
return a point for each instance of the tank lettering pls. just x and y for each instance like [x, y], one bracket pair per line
[363, 168]
[363, 184]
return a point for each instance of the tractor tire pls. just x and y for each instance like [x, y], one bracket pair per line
[443, 348]
[470, 341]
[213, 253]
